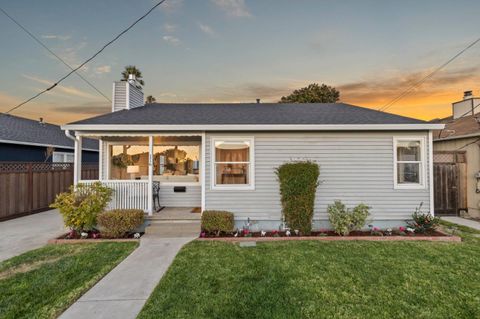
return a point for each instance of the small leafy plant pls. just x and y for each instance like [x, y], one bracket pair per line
[345, 220]
[423, 222]
[81, 205]
[214, 221]
[116, 223]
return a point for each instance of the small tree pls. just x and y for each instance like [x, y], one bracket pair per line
[298, 185]
[81, 205]
[313, 93]
[132, 69]
[150, 99]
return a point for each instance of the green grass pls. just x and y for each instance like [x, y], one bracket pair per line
[44, 282]
[311, 279]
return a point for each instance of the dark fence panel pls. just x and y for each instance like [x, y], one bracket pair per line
[27, 188]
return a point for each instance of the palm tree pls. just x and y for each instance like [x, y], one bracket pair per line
[150, 99]
[132, 69]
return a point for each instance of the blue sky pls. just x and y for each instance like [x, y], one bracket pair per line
[236, 51]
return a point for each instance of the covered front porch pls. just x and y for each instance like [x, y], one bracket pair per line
[149, 171]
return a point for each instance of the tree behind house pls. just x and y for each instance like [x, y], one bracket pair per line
[313, 93]
[132, 69]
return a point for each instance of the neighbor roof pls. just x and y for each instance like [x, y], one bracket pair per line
[463, 127]
[19, 130]
[269, 114]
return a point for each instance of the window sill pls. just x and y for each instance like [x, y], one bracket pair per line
[233, 188]
[409, 186]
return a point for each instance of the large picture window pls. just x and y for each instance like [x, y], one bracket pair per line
[232, 163]
[409, 162]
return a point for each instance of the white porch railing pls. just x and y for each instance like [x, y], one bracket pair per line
[126, 193]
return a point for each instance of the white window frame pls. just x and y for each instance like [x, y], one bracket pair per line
[64, 156]
[251, 170]
[423, 163]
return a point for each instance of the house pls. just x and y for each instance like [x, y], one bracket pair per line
[25, 140]
[224, 156]
[457, 159]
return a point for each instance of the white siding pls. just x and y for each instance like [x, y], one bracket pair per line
[135, 96]
[119, 96]
[355, 167]
[191, 198]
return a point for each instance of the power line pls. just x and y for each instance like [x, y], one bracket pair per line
[88, 60]
[419, 82]
[53, 53]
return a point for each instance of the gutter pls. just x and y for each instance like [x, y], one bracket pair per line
[253, 127]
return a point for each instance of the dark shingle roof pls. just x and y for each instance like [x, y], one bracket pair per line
[458, 128]
[22, 130]
[254, 113]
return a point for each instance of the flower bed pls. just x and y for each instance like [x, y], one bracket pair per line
[329, 235]
[73, 237]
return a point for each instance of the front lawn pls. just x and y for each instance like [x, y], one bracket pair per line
[312, 279]
[44, 282]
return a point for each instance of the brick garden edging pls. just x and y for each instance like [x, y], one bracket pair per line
[338, 238]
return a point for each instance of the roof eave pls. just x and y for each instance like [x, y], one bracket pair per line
[253, 127]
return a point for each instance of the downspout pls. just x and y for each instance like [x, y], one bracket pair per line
[76, 141]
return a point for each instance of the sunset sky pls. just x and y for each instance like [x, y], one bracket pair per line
[237, 51]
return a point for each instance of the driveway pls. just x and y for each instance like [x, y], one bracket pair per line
[26, 233]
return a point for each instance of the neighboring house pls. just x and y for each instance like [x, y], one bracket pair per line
[457, 159]
[25, 140]
[224, 156]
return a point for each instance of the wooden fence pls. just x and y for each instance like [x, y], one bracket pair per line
[27, 188]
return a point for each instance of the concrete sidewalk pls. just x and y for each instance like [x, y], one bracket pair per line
[123, 292]
[22, 234]
[462, 221]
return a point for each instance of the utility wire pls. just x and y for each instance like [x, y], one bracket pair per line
[53, 53]
[428, 76]
[88, 60]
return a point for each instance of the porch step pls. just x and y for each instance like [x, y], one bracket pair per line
[173, 229]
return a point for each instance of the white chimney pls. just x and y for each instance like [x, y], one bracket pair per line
[467, 106]
[127, 94]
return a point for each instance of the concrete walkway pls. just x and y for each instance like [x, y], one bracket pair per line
[123, 292]
[463, 221]
[26, 233]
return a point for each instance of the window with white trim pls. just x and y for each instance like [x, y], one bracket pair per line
[63, 157]
[232, 163]
[409, 162]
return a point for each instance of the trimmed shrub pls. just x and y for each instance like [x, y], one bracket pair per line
[344, 220]
[298, 185]
[423, 222]
[117, 222]
[81, 205]
[216, 221]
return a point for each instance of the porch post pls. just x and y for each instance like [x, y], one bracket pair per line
[430, 172]
[150, 175]
[100, 159]
[77, 163]
[202, 171]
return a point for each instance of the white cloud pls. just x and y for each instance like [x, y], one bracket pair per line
[206, 29]
[234, 8]
[171, 39]
[57, 37]
[103, 69]
[171, 5]
[69, 90]
[169, 28]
